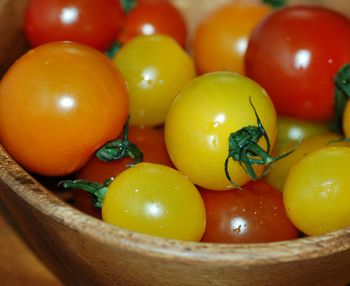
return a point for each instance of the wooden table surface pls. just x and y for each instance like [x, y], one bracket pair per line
[18, 265]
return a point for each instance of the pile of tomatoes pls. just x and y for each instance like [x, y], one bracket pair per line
[236, 134]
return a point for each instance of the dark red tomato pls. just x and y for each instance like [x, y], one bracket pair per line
[251, 215]
[94, 23]
[149, 140]
[154, 17]
[294, 54]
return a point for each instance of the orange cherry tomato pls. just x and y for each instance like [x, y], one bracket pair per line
[220, 41]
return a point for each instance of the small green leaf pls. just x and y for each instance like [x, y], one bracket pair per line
[341, 96]
[275, 3]
[128, 5]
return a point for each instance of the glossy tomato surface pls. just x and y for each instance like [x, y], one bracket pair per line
[278, 171]
[316, 192]
[59, 103]
[155, 68]
[294, 54]
[154, 17]
[149, 140]
[221, 39]
[156, 200]
[95, 23]
[253, 214]
[201, 119]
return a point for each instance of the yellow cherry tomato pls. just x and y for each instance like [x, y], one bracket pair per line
[155, 68]
[316, 193]
[201, 119]
[280, 169]
[156, 200]
[346, 120]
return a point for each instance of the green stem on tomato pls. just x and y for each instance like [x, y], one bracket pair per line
[244, 148]
[128, 5]
[275, 3]
[98, 191]
[120, 148]
[341, 96]
[113, 50]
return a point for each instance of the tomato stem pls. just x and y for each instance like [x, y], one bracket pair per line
[113, 50]
[275, 3]
[244, 148]
[128, 5]
[120, 148]
[341, 96]
[98, 191]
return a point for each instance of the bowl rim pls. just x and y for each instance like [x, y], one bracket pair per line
[47, 203]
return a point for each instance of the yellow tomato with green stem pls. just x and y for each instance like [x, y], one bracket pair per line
[149, 198]
[202, 120]
[155, 68]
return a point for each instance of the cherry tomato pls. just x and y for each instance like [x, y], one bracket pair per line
[201, 119]
[221, 39]
[316, 192]
[280, 169]
[253, 214]
[157, 200]
[95, 23]
[149, 140]
[58, 104]
[294, 54]
[155, 68]
[346, 120]
[154, 17]
[293, 129]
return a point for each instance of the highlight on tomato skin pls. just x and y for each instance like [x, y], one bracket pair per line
[251, 215]
[151, 143]
[93, 22]
[52, 118]
[154, 17]
[296, 63]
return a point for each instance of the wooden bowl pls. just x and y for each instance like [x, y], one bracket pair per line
[82, 250]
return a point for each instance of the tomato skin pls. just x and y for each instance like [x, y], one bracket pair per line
[94, 23]
[59, 103]
[154, 17]
[251, 215]
[227, 27]
[156, 200]
[346, 120]
[155, 68]
[280, 169]
[149, 140]
[200, 120]
[316, 192]
[294, 54]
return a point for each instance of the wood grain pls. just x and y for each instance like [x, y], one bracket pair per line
[18, 265]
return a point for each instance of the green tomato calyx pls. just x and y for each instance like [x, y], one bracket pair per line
[98, 191]
[275, 3]
[341, 96]
[244, 148]
[120, 148]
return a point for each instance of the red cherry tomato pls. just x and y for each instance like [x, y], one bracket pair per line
[294, 54]
[154, 17]
[94, 23]
[149, 140]
[254, 214]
